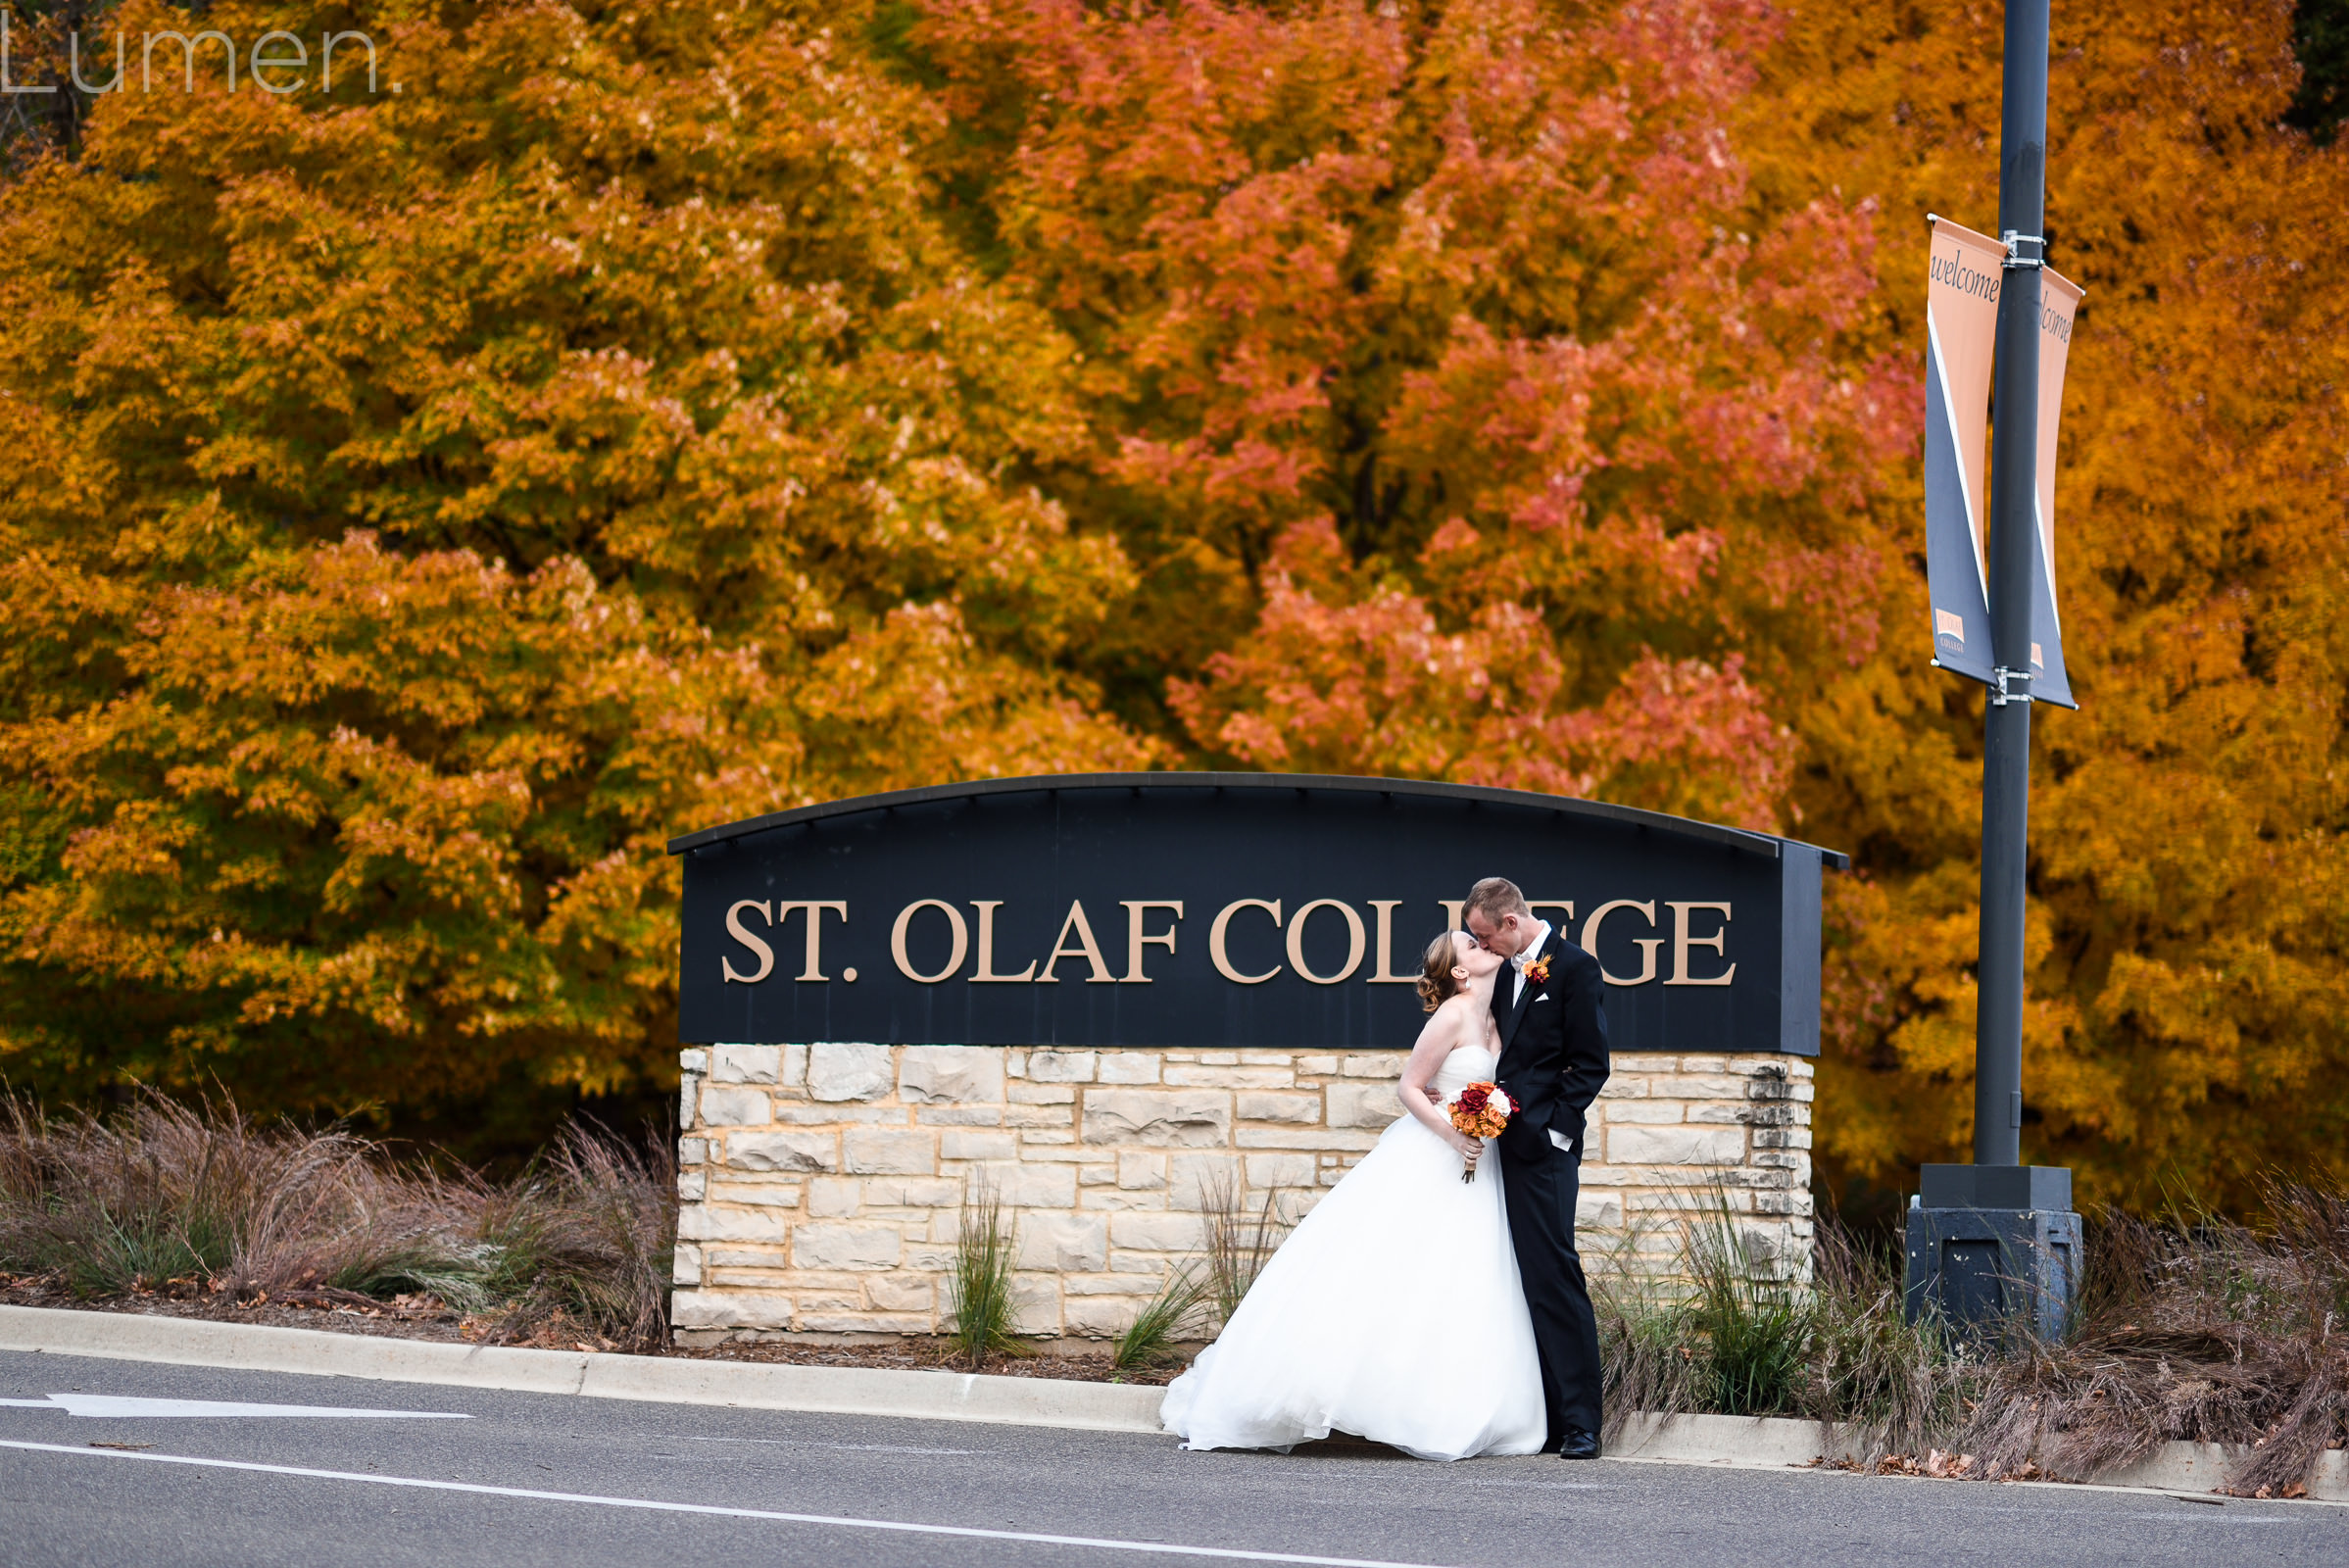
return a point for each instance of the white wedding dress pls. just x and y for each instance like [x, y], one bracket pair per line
[1393, 1313]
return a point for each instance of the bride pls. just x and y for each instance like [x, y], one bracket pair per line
[1394, 1311]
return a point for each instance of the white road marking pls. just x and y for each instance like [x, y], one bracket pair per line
[1157, 1547]
[116, 1404]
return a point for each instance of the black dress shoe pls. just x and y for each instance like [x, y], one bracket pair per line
[1579, 1445]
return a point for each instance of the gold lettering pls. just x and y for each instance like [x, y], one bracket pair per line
[1682, 942]
[1136, 913]
[985, 972]
[758, 945]
[1385, 946]
[1216, 938]
[1648, 944]
[897, 940]
[1357, 941]
[816, 908]
[1451, 914]
[1087, 949]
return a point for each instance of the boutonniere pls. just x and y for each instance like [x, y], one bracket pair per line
[1537, 972]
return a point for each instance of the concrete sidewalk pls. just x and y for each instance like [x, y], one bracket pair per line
[1730, 1441]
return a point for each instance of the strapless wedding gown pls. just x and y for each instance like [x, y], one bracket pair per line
[1393, 1312]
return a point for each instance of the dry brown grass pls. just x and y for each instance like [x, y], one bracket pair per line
[2200, 1327]
[195, 1200]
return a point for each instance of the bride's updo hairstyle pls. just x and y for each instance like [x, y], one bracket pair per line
[1436, 983]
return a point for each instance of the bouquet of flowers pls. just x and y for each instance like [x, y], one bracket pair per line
[1479, 1110]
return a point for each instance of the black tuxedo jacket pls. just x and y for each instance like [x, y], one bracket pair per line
[1554, 1050]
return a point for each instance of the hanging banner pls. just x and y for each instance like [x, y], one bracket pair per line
[1961, 332]
[2059, 302]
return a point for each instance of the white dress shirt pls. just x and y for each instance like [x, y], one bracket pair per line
[1525, 955]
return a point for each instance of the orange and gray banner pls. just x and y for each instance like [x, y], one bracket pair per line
[1961, 327]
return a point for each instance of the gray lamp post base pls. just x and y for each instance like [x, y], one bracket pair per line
[1989, 1244]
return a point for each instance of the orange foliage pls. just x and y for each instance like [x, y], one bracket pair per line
[420, 506]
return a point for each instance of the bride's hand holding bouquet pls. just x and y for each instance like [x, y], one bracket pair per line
[1479, 1112]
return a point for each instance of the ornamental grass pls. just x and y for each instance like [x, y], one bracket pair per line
[166, 1198]
[2190, 1327]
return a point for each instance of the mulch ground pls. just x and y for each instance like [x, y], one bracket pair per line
[414, 1318]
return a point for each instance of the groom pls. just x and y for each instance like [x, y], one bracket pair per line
[1553, 1059]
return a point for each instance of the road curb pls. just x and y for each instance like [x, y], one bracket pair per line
[1731, 1441]
[749, 1385]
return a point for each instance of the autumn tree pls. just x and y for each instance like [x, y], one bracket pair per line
[422, 502]
[1447, 345]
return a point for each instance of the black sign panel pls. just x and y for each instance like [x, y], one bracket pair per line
[1224, 911]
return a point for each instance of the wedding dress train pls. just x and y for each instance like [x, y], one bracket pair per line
[1393, 1312]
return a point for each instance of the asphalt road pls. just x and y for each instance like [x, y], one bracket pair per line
[528, 1479]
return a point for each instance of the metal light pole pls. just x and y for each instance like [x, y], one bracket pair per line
[1996, 1238]
[2014, 471]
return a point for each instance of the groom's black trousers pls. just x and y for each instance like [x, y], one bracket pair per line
[1542, 1193]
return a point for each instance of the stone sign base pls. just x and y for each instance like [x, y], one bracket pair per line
[822, 1185]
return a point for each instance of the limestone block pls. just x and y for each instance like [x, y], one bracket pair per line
[1112, 1199]
[1217, 1059]
[1736, 1114]
[1676, 1145]
[1782, 1137]
[791, 1150]
[1036, 1303]
[707, 1222]
[1386, 1064]
[912, 1192]
[1598, 1210]
[1280, 1170]
[845, 1245]
[1141, 1172]
[795, 1067]
[1356, 1138]
[1707, 1085]
[1658, 1111]
[1705, 1064]
[1231, 1077]
[692, 1186]
[838, 1071]
[1064, 1242]
[1041, 1094]
[1130, 1067]
[978, 1146]
[1024, 1185]
[1191, 1179]
[1263, 1106]
[959, 1075]
[1363, 1105]
[1179, 1119]
[1321, 1066]
[834, 1197]
[888, 1151]
[1096, 1175]
[691, 1150]
[687, 1269]
[1100, 1317]
[901, 1293]
[1038, 1143]
[758, 1194]
[859, 1322]
[694, 1060]
[745, 1064]
[689, 1099]
[1170, 1232]
[835, 1115]
[735, 1108]
[1063, 1067]
[959, 1115]
[1622, 1085]
[1039, 1116]
[729, 1309]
